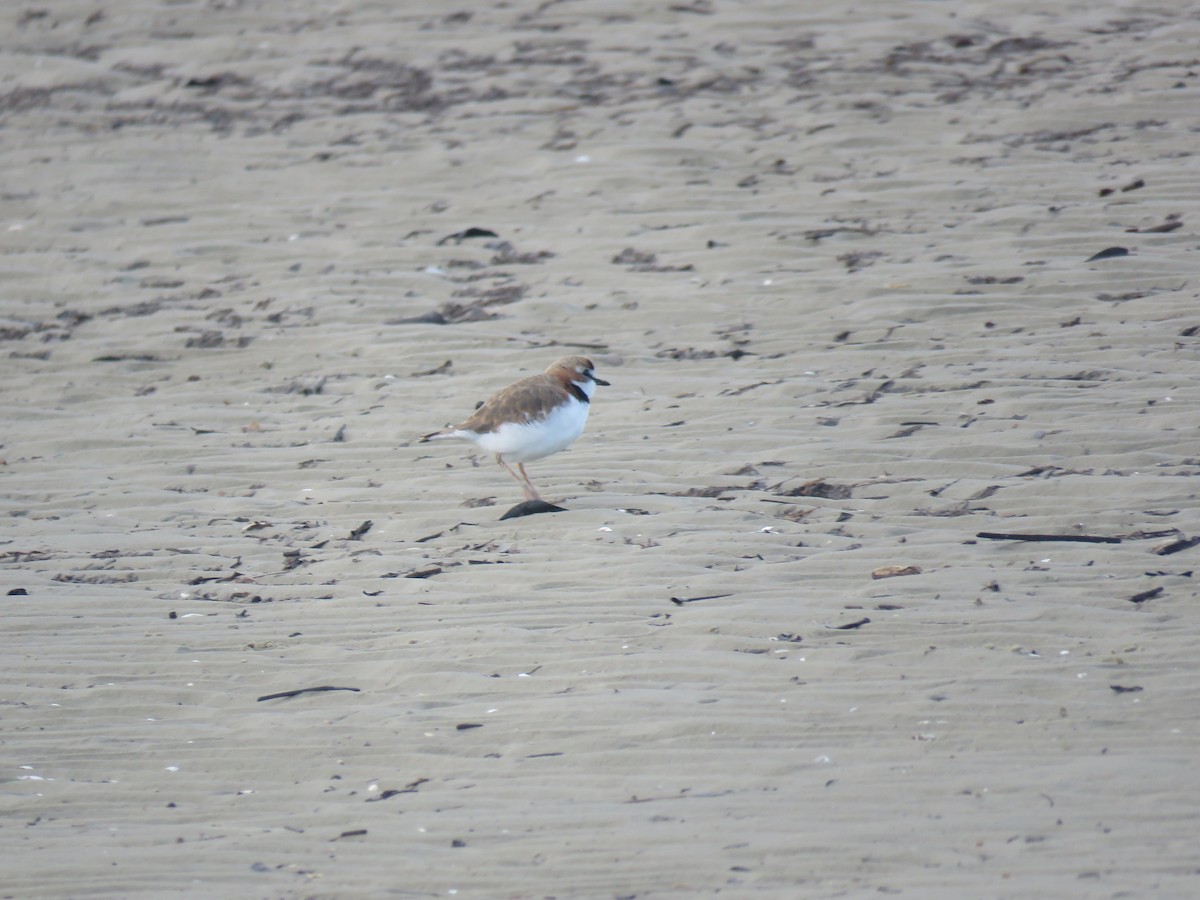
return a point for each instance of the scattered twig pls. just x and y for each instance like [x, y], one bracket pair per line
[1149, 534]
[424, 573]
[385, 795]
[1082, 538]
[679, 601]
[208, 579]
[1176, 546]
[1132, 186]
[1146, 595]
[312, 690]
[436, 370]
[895, 571]
[473, 232]
[849, 625]
[1170, 225]
[292, 560]
[410, 788]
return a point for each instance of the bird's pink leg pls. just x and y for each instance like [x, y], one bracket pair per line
[526, 487]
[531, 492]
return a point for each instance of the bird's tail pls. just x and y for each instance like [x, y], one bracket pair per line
[436, 435]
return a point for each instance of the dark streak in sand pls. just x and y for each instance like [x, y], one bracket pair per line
[312, 690]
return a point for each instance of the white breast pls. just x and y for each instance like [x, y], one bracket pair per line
[534, 440]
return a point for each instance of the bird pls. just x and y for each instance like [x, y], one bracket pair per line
[531, 418]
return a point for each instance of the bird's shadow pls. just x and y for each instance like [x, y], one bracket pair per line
[531, 508]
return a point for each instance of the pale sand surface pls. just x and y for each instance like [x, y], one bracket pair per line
[803, 241]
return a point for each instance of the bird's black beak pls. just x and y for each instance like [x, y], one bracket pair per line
[600, 381]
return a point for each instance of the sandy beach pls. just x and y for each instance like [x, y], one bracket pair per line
[868, 282]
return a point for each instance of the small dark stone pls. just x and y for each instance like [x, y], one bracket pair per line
[459, 236]
[1109, 253]
[531, 508]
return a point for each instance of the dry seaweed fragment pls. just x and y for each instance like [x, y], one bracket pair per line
[895, 571]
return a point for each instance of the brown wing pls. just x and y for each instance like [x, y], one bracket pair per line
[527, 400]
